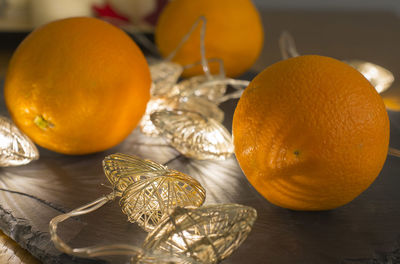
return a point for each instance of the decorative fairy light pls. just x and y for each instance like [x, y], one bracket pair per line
[207, 234]
[200, 87]
[186, 234]
[15, 147]
[164, 75]
[193, 134]
[148, 190]
[189, 103]
[199, 94]
[186, 113]
[378, 76]
[137, 254]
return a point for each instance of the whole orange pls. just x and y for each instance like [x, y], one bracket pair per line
[234, 33]
[77, 86]
[310, 133]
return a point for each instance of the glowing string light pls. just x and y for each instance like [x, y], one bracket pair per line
[186, 235]
[207, 234]
[199, 94]
[15, 147]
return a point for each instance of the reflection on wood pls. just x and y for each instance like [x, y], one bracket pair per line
[12, 253]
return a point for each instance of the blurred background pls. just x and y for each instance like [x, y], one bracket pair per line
[343, 29]
[24, 15]
[338, 5]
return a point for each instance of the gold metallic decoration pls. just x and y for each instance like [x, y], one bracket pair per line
[149, 190]
[207, 234]
[193, 134]
[378, 76]
[137, 254]
[185, 234]
[15, 147]
[186, 114]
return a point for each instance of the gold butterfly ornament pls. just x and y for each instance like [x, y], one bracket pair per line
[166, 203]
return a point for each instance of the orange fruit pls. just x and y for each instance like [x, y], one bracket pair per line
[234, 33]
[310, 133]
[77, 86]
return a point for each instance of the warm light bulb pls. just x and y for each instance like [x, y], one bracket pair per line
[193, 134]
[15, 147]
[378, 76]
[207, 234]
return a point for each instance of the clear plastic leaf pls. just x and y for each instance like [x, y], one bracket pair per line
[192, 103]
[156, 103]
[198, 86]
[202, 106]
[378, 76]
[208, 234]
[150, 190]
[193, 134]
[164, 75]
[15, 147]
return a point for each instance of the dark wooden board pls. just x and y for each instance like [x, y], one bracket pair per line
[369, 224]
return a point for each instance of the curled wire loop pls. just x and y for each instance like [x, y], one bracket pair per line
[148, 191]
[138, 255]
[204, 63]
[200, 94]
[287, 46]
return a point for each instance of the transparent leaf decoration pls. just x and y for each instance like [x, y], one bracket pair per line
[156, 103]
[150, 190]
[15, 147]
[191, 103]
[378, 76]
[198, 86]
[202, 106]
[207, 234]
[164, 75]
[193, 134]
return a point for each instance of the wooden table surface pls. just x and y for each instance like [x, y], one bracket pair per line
[371, 36]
